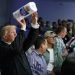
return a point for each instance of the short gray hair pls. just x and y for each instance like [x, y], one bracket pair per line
[4, 30]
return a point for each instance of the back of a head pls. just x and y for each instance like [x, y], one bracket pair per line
[68, 66]
[60, 29]
[73, 29]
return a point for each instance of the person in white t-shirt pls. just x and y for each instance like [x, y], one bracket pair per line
[49, 54]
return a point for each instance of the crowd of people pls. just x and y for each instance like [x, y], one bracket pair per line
[48, 49]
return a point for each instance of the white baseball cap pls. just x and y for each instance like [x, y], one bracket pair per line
[49, 34]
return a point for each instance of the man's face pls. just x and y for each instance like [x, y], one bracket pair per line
[10, 36]
[44, 46]
[64, 32]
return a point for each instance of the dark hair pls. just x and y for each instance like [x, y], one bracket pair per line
[60, 29]
[39, 40]
[68, 66]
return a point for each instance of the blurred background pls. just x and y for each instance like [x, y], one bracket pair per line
[51, 10]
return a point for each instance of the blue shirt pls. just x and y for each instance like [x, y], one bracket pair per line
[37, 63]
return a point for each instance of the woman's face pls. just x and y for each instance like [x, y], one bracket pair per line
[50, 40]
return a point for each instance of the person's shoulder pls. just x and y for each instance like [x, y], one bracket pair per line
[68, 66]
[69, 61]
[71, 56]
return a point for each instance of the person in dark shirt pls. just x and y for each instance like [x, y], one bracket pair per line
[68, 66]
[13, 60]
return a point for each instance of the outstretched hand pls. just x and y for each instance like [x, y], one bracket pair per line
[22, 23]
[34, 18]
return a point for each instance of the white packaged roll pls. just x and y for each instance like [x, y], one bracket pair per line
[25, 11]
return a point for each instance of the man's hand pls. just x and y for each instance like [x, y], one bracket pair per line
[34, 18]
[65, 53]
[22, 24]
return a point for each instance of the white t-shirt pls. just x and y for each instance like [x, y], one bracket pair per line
[51, 60]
